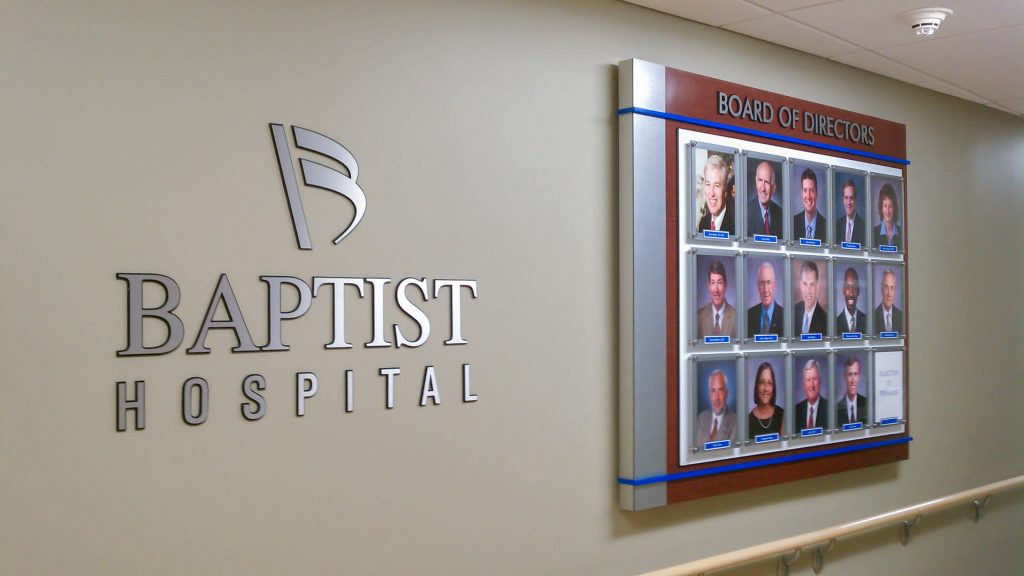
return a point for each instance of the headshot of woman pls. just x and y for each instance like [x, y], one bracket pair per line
[766, 417]
[887, 233]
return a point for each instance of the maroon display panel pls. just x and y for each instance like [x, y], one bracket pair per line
[759, 116]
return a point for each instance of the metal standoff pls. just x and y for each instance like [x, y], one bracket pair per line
[978, 505]
[905, 529]
[782, 568]
[818, 558]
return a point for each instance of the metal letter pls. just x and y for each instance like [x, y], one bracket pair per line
[136, 314]
[349, 396]
[456, 286]
[467, 394]
[389, 394]
[291, 188]
[315, 174]
[430, 387]
[378, 313]
[339, 305]
[274, 312]
[303, 391]
[250, 385]
[413, 312]
[235, 321]
[187, 401]
[138, 405]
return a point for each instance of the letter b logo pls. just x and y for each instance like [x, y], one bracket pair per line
[317, 175]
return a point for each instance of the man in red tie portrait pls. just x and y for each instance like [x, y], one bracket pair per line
[718, 213]
[810, 412]
[718, 422]
[764, 215]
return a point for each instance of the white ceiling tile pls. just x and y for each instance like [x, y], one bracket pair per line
[867, 23]
[947, 88]
[969, 61]
[782, 31]
[785, 5]
[877, 23]
[715, 13]
[881, 65]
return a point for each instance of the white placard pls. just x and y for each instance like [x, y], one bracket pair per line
[889, 385]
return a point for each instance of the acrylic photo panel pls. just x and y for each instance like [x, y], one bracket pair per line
[810, 290]
[766, 397]
[850, 217]
[764, 303]
[889, 389]
[715, 423]
[808, 203]
[714, 193]
[715, 315]
[811, 376]
[887, 213]
[850, 292]
[765, 216]
[852, 390]
[888, 317]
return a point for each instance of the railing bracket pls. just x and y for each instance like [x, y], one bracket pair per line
[978, 505]
[905, 529]
[782, 568]
[818, 558]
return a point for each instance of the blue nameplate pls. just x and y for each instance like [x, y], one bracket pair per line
[717, 445]
[811, 432]
[766, 239]
[889, 335]
[810, 337]
[766, 338]
[766, 438]
[716, 339]
[852, 336]
[716, 234]
[851, 245]
[853, 426]
[889, 421]
[810, 242]
[887, 248]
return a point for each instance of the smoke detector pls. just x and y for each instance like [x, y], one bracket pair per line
[925, 21]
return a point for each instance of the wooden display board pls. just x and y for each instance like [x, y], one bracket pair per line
[763, 301]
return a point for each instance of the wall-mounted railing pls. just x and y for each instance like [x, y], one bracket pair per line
[787, 550]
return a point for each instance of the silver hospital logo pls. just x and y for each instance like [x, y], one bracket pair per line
[317, 175]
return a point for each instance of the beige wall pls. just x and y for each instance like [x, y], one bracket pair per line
[136, 140]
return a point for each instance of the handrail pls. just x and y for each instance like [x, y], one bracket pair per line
[787, 549]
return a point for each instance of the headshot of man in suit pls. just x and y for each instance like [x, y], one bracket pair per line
[766, 316]
[888, 318]
[810, 317]
[809, 223]
[718, 422]
[851, 318]
[718, 317]
[888, 233]
[717, 213]
[763, 215]
[854, 406]
[849, 226]
[808, 411]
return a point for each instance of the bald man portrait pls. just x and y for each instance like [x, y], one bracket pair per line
[763, 215]
[766, 316]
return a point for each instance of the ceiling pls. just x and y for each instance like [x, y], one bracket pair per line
[977, 54]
